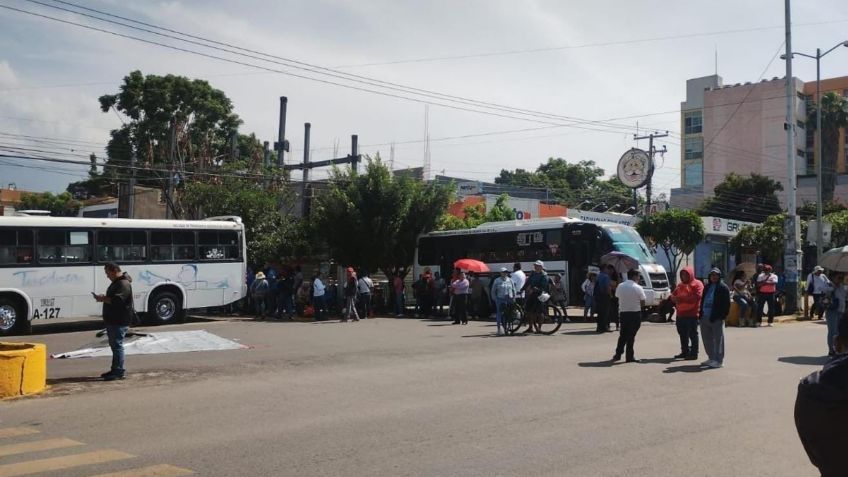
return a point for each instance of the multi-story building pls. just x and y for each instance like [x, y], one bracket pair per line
[740, 128]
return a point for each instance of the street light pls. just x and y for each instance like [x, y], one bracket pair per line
[602, 205]
[585, 202]
[818, 56]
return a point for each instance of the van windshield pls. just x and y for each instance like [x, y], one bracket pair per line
[625, 239]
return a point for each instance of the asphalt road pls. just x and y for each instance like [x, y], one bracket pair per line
[412, 397]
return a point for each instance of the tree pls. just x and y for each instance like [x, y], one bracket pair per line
[839, 223]
[834, 118]
[767, 239]
[97, 184]
[808, 210]
[59, 205]
[475, 215]
[372, 220]
[270, 234]
[752, 198]
[677, 232]
[201, 117]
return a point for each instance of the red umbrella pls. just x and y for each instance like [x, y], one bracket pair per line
[471, 265]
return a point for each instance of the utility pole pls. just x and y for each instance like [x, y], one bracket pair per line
[282, 146]
[791, 253]
[131, 192]
[651, 151]
[354, 153]
[266, 160]
[171, 171]
[306, 131]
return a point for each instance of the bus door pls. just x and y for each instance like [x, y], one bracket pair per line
[582, 247]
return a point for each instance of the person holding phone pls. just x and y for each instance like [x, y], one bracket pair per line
[117, 314]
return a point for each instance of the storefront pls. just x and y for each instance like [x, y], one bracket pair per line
[714, 251]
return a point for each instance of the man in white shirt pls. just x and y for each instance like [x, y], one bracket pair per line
[518, 279]
[318, 291]
[364, 287]
[631, 300]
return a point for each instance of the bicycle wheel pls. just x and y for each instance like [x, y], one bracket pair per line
[551, 320]
[513, 318]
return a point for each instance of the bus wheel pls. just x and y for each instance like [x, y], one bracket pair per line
[12, 318]
[165, 307]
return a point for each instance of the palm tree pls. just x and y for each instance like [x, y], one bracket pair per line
[834, 120]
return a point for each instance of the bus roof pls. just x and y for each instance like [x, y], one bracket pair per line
[506, 226]
[73, 222]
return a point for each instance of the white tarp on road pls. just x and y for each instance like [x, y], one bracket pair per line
[157, 343]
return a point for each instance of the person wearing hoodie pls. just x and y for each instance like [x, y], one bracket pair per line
[118, 313]
[714, 309]
[687, 299]
[821, 411]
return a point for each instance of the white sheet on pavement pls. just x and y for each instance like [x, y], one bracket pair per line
[157, 343]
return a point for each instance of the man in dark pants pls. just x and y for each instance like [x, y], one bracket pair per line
[117, 314]
[821, 411]
[687, 298]
[631, 301]
[715, 306]
[602, 297]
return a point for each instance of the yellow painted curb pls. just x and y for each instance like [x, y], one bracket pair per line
[23, 369]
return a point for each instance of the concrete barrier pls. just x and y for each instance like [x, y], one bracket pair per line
[23, 369]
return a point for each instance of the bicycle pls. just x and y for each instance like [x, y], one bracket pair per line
[515, 318]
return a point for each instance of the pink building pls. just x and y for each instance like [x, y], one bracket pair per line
[740, 128]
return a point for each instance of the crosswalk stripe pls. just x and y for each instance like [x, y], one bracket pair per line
[35, 446]
[163, 470]
[60, 463]
[17, 431]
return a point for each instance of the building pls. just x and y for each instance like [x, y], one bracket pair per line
[740, 128]
[10, 197]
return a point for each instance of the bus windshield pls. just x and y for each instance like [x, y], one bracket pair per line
[626, 239]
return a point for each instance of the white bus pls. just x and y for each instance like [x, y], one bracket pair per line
[50, 266]
[567, 246]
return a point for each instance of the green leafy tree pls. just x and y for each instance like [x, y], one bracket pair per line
[751, 199]
[767, 239]
[677, 232]
[59, 205]
[270, 234]
[202, 118]
[372, 220]
[839, 232]
[834, 119]
[97, 185]
[475, 215]
[808, 210]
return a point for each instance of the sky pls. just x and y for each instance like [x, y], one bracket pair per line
[569, 64]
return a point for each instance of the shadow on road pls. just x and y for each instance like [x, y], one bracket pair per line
[686, 368]
[488, 335]
[580, 332]
[659, 360]
[76, 379]
[805, 360]
[598, 364]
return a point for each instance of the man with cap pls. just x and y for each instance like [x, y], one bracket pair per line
[715, 306]
[503, 290]
[817, 285]
[537, 283]
[766, 288]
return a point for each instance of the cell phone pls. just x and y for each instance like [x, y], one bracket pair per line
[94, 294]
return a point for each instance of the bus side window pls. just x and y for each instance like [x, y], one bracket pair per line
[15, 246]
[61, 246]
[121, 245]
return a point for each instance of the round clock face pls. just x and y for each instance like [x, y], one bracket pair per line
[634, 168]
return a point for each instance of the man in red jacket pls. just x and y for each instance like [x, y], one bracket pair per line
[687, 298]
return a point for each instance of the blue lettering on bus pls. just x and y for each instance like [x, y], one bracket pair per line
[31, 278]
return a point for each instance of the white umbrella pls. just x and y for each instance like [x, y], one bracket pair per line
[835, 259]
[621, 261]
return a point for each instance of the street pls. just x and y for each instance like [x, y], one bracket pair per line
[417, 397]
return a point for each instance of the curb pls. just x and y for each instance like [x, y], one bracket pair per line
[23, 369]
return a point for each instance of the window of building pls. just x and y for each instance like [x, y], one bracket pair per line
[693, 175]
[694, 148]
[64, 246]
[16, 246]
[121, 245]
[218, 245]
[693, 122]
[167, 246]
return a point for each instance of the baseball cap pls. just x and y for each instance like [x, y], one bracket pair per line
[504, 269]
[539, 263]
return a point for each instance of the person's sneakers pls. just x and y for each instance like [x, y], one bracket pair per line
[455, 323]
[715, 365]
[691, 357]
[633, 360]
[680, 356]
[770, 325]
[615, 358]
[707, 362]
[107, 373]
[113, 377]
[500, 331]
